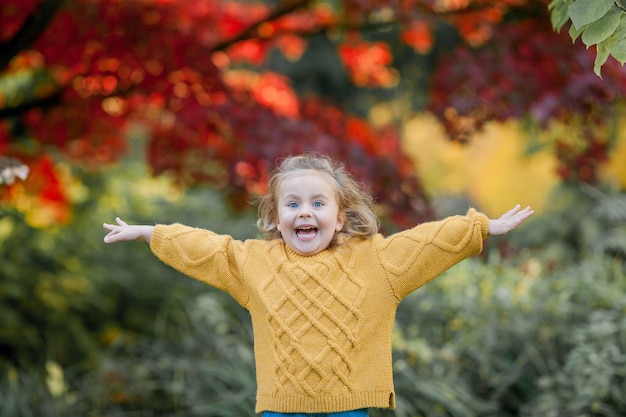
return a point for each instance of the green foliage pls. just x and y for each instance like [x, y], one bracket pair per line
[46, 299]
[591, 380]
[24, 394]
[491, 341]
[584, 12]
[24, 86]
[197, 361]
[70, 302]
[600, 22]
[524, 337]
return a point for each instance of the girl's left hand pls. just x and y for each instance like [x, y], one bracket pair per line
[509, 220]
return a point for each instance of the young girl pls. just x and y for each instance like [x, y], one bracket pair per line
[323, 287]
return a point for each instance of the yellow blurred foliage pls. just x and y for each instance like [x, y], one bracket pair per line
[143, 186]
[55, 379]
[494, 170]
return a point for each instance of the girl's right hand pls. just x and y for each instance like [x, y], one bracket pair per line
[124, 232]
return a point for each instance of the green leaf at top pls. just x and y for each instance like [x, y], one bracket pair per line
[574, 33]
[602, 54]
[621, 3]
[602, 28]
[583, 12]
[559, 13]
[616, 43]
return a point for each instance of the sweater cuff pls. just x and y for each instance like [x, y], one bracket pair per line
[156, 242]
[482, 220]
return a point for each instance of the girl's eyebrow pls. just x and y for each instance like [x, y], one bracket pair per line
[298, 196]
[289, 196]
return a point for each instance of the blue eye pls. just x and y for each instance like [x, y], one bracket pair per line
[318, 204]
[292, 205]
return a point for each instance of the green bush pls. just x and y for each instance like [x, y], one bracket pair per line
[521, 337]
[488, 341]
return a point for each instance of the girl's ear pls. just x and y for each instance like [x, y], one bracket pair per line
[340, 221]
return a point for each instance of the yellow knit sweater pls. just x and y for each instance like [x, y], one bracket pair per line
[322, 323]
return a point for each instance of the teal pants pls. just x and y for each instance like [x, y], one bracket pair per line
[353, 413]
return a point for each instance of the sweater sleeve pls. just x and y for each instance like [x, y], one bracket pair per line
[203, 255]
[414, 257]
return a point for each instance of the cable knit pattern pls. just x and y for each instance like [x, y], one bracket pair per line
[314, 317]
[322, 323]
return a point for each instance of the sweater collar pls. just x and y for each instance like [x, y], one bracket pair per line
[291, 254]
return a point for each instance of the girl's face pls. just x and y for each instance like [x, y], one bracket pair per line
[308, 213]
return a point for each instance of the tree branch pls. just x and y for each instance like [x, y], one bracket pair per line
[251, 31]
[32, 28]
[43, 102]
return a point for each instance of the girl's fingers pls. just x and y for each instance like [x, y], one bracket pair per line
[515, 212]
[524, 214]
[115, 228]
[510, 213]
[119, 222]
[526, 211]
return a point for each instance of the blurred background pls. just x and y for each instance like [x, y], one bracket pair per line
[175, 111]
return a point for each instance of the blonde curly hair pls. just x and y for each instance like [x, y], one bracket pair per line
[356, 205]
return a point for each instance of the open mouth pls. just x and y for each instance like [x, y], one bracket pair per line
[306, 231]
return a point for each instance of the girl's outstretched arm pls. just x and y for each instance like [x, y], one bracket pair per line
[123, 232]
[509, 220]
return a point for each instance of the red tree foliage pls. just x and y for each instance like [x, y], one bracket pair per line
[534, 72]
[192, 72]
